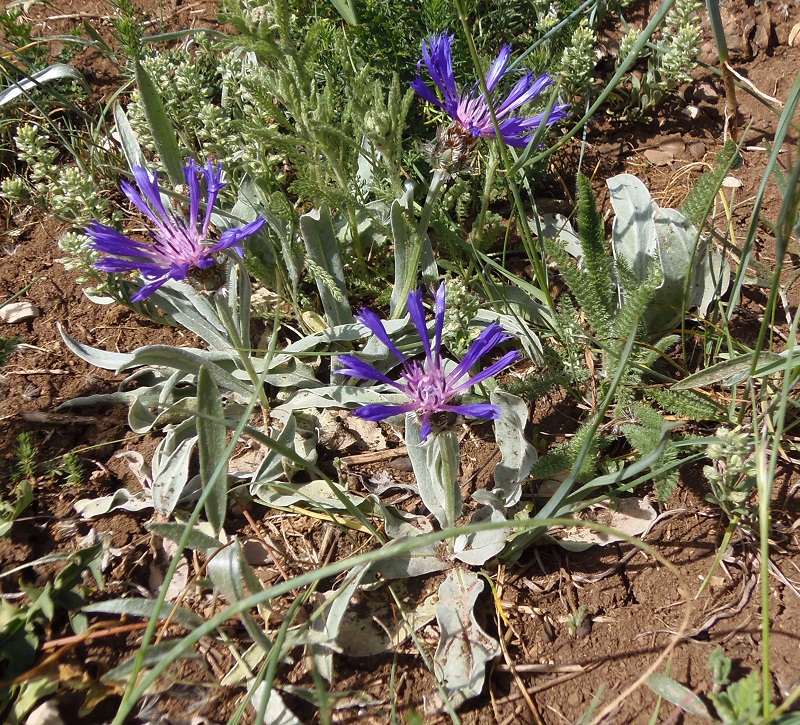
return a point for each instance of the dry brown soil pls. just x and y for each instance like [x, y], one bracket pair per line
[637, 606]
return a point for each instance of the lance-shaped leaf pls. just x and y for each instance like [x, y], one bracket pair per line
[435, 463]
[323, 249]
[518, 456]
[160, 125]
[211, 441]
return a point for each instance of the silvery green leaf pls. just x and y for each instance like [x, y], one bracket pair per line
[122, 499]
[189, 361]
[338, 396]
[55, 72]
[731, 371]
[143, 608]
[712, 278]
[317, 493]
[171, 474]
[235, 579]
[677, 240]
[160, 126]
[104, 400]
[677, 694]
[376, 627]
[464, 648]
[127, 138]
[323, 248]
[174, 530]
[518, 327]
[417, 562]
[154, 654]
[276, 712]
[633, 235]
[557, 226]
[271, 468]
[327, 625]
[364, 172]
[403, 235]
[518, 456]
[94, 356]
[305, 447]
[211, 444]
[193, 312]
[478, 548]
[436, 467]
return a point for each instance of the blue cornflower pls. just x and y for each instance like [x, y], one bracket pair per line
[430, 389]
[179, 245]
[470, 108]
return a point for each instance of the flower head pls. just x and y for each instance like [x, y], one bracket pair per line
[430, 389]
[180, 246]
[469, 108]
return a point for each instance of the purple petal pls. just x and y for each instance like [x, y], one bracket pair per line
[424, 92]
[110, 241]
[437, 55]
[152, 286]
[425, 429]
[358, 369]
[439, 310]
[490, 336]
[232, 237]
[498, 69]
[417, 313]
[190, 174]
[378, 411]
[373, 323]
[508, 359]
[475, 410]
[526, 89]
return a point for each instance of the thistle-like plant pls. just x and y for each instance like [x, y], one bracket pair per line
[617, 297]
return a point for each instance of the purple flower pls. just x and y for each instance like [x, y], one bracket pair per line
[429, 388]
[470, 108]
[179, 245]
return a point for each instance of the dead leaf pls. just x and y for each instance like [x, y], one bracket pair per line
[794, 35]
[632, 516]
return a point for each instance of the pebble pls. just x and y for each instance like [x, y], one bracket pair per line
[18, 312]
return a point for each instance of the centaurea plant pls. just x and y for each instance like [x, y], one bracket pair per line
[180, 248]
[433, 393]
[470, 108]
[471, 111]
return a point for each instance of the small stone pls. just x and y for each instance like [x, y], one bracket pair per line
[658, 157]
[697, 150]
[18, 312]
[763, 31]
[731, 182]
[691, 112]
[706, 92]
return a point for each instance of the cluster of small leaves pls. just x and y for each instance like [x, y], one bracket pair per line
[49, 182]
[578, 62]
[732, 473]
[601, 325]
[735, 702]
[670, 59]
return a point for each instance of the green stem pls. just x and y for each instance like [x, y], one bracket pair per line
[236, 341]
[449, 460]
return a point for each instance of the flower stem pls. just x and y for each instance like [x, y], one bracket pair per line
[449, 459]
[414, 258]
[226, 317]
